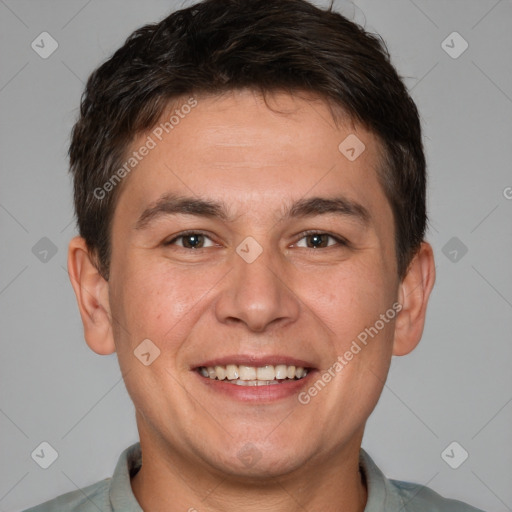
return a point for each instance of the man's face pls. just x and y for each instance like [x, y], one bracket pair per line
[211, 299]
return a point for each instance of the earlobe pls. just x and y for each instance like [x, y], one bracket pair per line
[91, 291]
[414, 293]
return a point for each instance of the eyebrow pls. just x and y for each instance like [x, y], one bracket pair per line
[170, 204]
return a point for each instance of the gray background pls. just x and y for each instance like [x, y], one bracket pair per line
[456, 386]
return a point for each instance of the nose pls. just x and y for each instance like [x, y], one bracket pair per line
[257, 294]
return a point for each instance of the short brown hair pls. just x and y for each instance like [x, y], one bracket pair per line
[219, 45]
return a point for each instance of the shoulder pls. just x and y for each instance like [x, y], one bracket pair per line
[92, 498]
[387, 495]
[418, 498]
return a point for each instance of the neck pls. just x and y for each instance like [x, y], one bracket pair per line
[170, 481]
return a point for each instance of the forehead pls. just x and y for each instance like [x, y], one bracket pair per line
[248, 151]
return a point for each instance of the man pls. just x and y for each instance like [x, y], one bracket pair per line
[250, 192]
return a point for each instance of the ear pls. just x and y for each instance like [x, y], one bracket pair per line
[414, 292]
[91, 291]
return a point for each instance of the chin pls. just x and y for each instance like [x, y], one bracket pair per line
[248, 461]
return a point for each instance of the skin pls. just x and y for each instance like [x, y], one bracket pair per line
[201, 304]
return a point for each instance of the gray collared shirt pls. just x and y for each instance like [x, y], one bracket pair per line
[115, 494]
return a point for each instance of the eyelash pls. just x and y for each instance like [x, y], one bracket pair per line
[339, 240]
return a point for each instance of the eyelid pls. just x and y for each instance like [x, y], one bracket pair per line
[340, 240]
[185, 233]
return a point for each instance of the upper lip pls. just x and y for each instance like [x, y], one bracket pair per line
[252, 360]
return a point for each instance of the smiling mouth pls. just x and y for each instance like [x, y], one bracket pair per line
[241, 375]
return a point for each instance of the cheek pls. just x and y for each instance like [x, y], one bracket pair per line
[348, 299]
[158, 302]
[155, 302]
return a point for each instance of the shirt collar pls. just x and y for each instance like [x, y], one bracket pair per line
[381, 494]
[121, 495]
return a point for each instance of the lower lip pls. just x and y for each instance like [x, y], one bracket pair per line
[268, 393]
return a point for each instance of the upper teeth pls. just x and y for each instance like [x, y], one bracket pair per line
[264, 373]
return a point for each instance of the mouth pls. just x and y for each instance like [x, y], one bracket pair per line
[255, 379]
[243, 375]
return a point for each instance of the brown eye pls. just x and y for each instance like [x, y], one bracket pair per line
[318, 240]
[192, 240]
